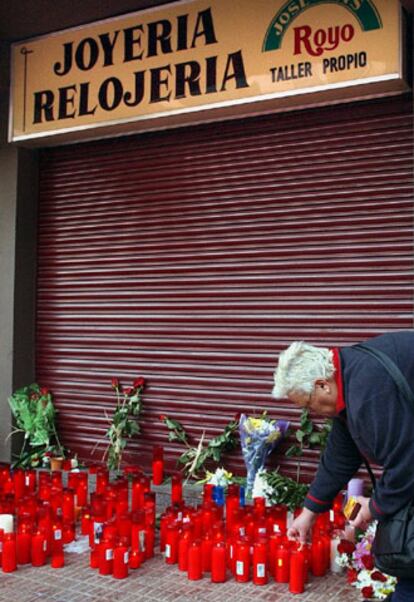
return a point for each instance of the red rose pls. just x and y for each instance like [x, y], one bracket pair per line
[368, 561]
[129, 391]
[44, 391]
[115, 383]
[139, 382]
[378, 576]
[163, 417]
[367, 592]
[346, 547]
[351, 575]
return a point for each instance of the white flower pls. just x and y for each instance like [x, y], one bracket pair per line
[261, 487]
[220, 478]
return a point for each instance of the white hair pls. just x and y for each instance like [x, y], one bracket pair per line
[300, 365]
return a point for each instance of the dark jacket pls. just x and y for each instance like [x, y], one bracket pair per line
[377, 423]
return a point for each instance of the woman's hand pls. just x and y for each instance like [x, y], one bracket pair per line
[364, 516]
[302, 526]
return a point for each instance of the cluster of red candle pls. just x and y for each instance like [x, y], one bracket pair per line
[44, 515]
[247, 542]
[120, 523]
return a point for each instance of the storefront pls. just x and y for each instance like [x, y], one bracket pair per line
[194, 249]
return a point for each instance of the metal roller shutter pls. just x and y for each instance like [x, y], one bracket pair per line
[192, 257]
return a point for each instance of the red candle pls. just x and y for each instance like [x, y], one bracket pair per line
[102, 480]
[176, 489]
[282, 564]
[135, 559]
[171, 543]
[58, 559]
[85, 522]
[260, 528]
[260, 574]
[278, 519]
[194, 572]
[149, 541]
[232, 505]
[121, 561]
[30, 480]
[137, 499]
[94, 557]
[297, 572]
[318, 557]
[207, 517]
[124, 526]
[39, 548]
[68, 532]
[208, 489]
[19, 484]
[23, 545]
[9, 560]
[95, 533]
[242, 560]
[68, 505]
[273, 543]
[197, 521]
[165, 520]
[138, 539]
[56, 478]
[106, 556]
[158, 465]
[82, 490]
[259, 506]
[218, 562]
[183, 546]
[206, 549]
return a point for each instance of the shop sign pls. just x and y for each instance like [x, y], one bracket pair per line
[195, 61]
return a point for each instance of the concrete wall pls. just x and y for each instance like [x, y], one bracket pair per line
[18, 200]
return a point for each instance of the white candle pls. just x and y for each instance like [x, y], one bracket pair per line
[6, 523]
[335, 568]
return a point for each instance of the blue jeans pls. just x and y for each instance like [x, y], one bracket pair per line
[404, 592]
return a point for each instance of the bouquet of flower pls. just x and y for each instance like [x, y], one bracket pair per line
[258, 438]
[122, 426]
[361, 573]
[35, 416]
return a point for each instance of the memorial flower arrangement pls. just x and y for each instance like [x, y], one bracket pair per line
[35, 416]
[279, 490]
[124, 423]
[357, 558]
[259, 436]
[194, 459]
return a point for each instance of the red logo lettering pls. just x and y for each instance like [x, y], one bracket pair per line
[322, 40]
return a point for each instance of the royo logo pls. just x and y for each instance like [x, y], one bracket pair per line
[316, 43]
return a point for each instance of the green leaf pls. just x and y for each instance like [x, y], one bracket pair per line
[293, 451]
[315, 439]
[300, 435]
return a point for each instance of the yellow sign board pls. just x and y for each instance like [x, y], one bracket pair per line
[194, 61]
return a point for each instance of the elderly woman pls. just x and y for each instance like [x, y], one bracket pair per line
[370, 419]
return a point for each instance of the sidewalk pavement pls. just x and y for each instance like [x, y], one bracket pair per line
[154, 581]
